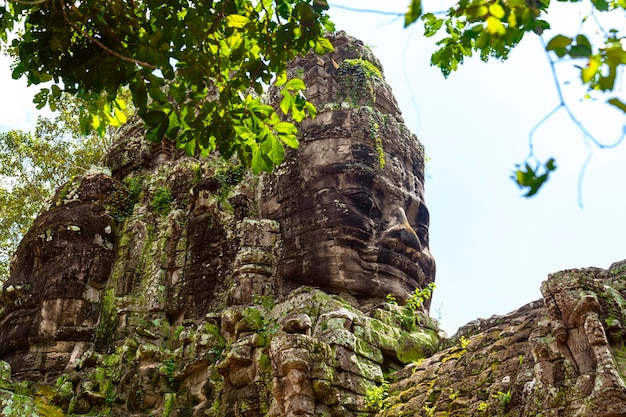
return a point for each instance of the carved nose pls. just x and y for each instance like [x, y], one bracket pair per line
[400, 235]
[404, 235]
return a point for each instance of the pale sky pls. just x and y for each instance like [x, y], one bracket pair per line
[493, 248]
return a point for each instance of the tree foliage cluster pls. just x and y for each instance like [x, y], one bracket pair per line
[33, 164]
[492, 28]
[196, 70]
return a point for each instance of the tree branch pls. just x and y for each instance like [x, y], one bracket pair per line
[29, 3]
[101, 45]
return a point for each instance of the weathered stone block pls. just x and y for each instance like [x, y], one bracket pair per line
[348, 360]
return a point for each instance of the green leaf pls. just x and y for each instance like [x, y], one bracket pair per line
[310, 108]
[259, 162]
[290, 140]
[286, 128]
[323, 46]
[41, 98]
[286, 102]
[281, 79]
[276, 151]
[588, 73]
[295, 84]
[496, 11]
[156, 125]
[558, 42]
[618, 103]
[608, 82]
[155, 38]
[601, 5]
[431, 24]
[414, 12]
[236, 21]
[56, 91]
[529, 178]
[190, 147]
[140, 94]
[582, 47]
[156, 93]
[495, 26]
[84, 123]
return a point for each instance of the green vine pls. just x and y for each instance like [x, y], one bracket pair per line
[378, 143]
[356, 80]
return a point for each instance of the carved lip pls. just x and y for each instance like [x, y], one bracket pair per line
[400, 264]
[390, 258]
[406, 263]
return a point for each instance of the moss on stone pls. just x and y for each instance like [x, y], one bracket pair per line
[108, 317]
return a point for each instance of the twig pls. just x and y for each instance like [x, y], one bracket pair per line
[101, 45]
[29, 3]
[373, 11]
[587, 135]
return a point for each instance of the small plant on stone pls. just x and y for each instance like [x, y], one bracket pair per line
[16, 406]
[504, 398]
[483, 406]
[134, 186]
[228, 177]
[453, 394]
[65, 190]
[409, 317]
[375, 397]
[110, 398]
[162, 200]
[170, 367]
[430, 411]
[464, 341]
[392, 300]
[416, 300]
[357, 77]
[216, 353]
[178, 331]
[267, 301]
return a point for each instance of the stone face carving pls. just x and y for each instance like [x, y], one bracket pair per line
[350, 201]
[51, 303]
[580, 339]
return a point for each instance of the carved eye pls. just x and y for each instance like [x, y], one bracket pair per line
[365, 204]
[363, 201]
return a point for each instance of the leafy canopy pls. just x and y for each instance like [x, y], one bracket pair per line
[196, 70]
[492, 28]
